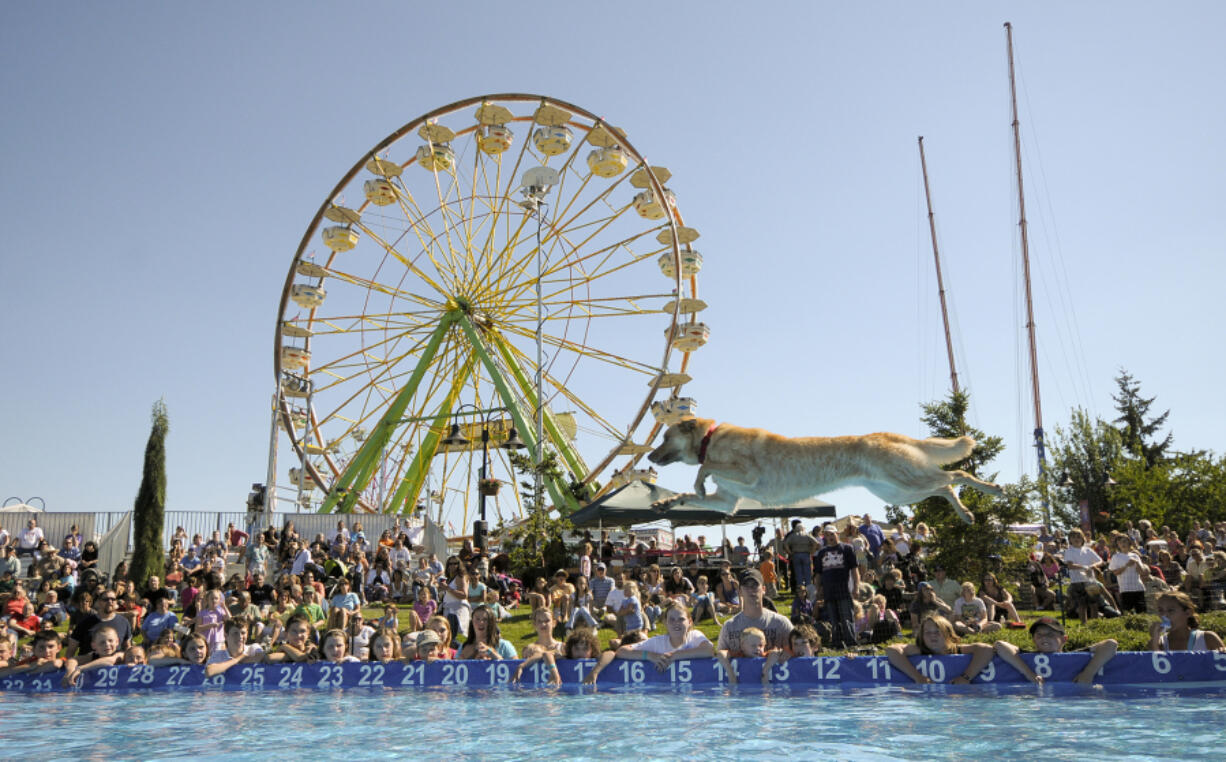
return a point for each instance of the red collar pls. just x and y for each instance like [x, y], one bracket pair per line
[706, 440]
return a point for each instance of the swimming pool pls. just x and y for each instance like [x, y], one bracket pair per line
[934, 722]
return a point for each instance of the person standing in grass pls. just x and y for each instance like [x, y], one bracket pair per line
[1081, 563]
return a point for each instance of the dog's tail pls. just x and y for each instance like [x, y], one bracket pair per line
[945, 451]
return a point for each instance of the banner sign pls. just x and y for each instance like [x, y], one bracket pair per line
[1131, 668]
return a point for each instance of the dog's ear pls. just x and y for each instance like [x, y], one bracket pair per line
[688, 426]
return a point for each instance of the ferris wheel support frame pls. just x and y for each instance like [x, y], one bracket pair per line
[346, 488]
[558, 492]
[528, 387]
[409, 489]
[358, 473]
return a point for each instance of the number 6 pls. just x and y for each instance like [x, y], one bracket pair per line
[1162, 665]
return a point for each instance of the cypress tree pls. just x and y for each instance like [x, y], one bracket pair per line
[149, 512]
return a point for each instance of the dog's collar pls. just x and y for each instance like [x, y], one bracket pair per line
[706, 440]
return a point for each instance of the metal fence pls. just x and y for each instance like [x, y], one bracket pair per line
[95, 525]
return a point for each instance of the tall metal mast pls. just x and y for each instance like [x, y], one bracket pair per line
[1039, 446]
[936, 255]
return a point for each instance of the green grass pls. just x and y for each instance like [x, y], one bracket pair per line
[1131, 631]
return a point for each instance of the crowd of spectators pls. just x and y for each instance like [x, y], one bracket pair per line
[276, 596]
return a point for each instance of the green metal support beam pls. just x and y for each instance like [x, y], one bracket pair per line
[410, 486]
[357, 474]
[569, 455]
[560, 493]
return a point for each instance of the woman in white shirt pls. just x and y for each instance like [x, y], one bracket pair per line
[455, 595]
[1126, 565]
[681, 641]
[1081, 562]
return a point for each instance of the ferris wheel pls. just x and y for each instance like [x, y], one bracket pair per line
[504, 269]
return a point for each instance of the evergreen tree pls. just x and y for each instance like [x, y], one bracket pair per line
[150, 509]
[1086, 454]
[965, 550]
[1137, 429]
[535, 544]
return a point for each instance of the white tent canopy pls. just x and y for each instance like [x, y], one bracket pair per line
[20, 508]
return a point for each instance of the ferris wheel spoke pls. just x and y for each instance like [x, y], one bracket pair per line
[361, 325]
[416, 218]
[429, 302]
[600, 197]
[602, 255]
[556, 236]
[608, 358]
[590, 278]
[447, 213]
[579, 248]
[363, 351]
[594, 307]
[562, 388]
[404, 260]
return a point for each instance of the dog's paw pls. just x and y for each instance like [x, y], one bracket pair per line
[675, 501]
[966, 516]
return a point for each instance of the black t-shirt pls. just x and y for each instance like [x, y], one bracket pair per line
[153, 596]
[835, 563]
[681, 586]
[84, 632]
[261, 594]
[893, 597]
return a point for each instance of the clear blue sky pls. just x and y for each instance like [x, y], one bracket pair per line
[161, 161]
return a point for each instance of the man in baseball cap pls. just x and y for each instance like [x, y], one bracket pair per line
[753, 614]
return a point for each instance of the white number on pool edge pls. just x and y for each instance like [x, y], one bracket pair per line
[418, 669]
[1042, 665]
[455, 674]
[632, 672]
[880, 668]
[1162, 664]
[253, 677]
[331, 675]
[498, 673]
[827, 667]
[371, 675]
[932, 669]
[679, 672]
[290, 677]
[140, 674]
[176, 674]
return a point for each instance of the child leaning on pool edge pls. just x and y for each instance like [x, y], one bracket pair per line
[935, 636]
[804, 642]
[1049, 638]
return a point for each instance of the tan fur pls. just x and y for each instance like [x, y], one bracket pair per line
[776, 470]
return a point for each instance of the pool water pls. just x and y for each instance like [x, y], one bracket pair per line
[1021, 722]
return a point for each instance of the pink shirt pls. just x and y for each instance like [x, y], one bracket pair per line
[215, 635]
[425, 610]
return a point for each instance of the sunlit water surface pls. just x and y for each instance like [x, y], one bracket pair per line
[714, 723]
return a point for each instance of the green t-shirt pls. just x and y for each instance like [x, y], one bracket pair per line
[312, 610]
